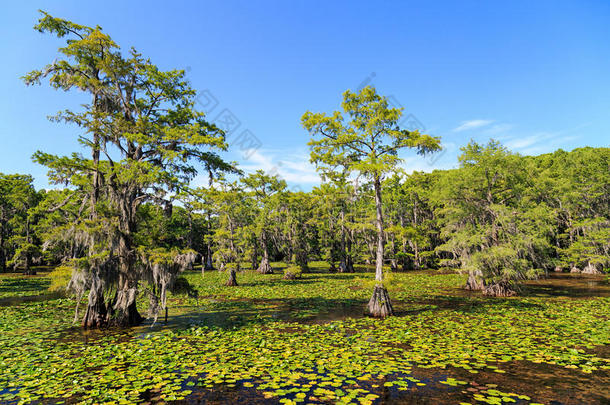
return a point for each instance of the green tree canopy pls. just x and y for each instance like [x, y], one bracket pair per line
[145, 139]
[365, 138]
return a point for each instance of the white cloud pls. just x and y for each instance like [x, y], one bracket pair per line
[539, 142]
[294, 167]
[549, 146]
[497, 129]
[472, 124]
[526, 141]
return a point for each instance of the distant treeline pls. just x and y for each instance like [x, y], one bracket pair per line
[500, 216]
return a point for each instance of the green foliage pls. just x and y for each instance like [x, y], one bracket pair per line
[60, 277]
[490, 225]
[232, 266]
[366, 139]
[17, 200]
[292, 272]
[183, 287]
[145, 138]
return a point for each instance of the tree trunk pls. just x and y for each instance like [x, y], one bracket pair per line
[332, 268]
[126, 311]
[291, 276]
[254, 259]
[380, 305]
[301, 257]
[393, 260]
[501, 289]
[208, 265]
[345, 266]
[28, 271]
[232, 281]
[349, 261]
[2, 258]
[349, 264]
[265, 267]
[475, 281]
[254, 255]
[342, 265]
[393, 265]
[189, 242]
[590, 269]
[97, 315]
[403, 260]
[575, 269]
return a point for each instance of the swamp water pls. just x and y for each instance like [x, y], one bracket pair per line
[383, 370]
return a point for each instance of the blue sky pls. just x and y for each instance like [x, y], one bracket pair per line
[534, 75]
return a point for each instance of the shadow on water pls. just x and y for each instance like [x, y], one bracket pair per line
[568, 285]
[19, 284]
[12, 301]
[556, 285]
[227, 314]
[261, 312]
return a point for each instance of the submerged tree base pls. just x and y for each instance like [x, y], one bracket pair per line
[289, 275]
[590, 269]
[232, 281]
[346, 266]
[475, 281]
[575, 269]
[96, 315]
[501, 289]
[130, 317]
[380, 305]
[208, 266]
[100, 316]
[265, 267]
[393, 265]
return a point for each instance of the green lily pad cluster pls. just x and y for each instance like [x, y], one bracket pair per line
[278, 338]
[13, 285]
